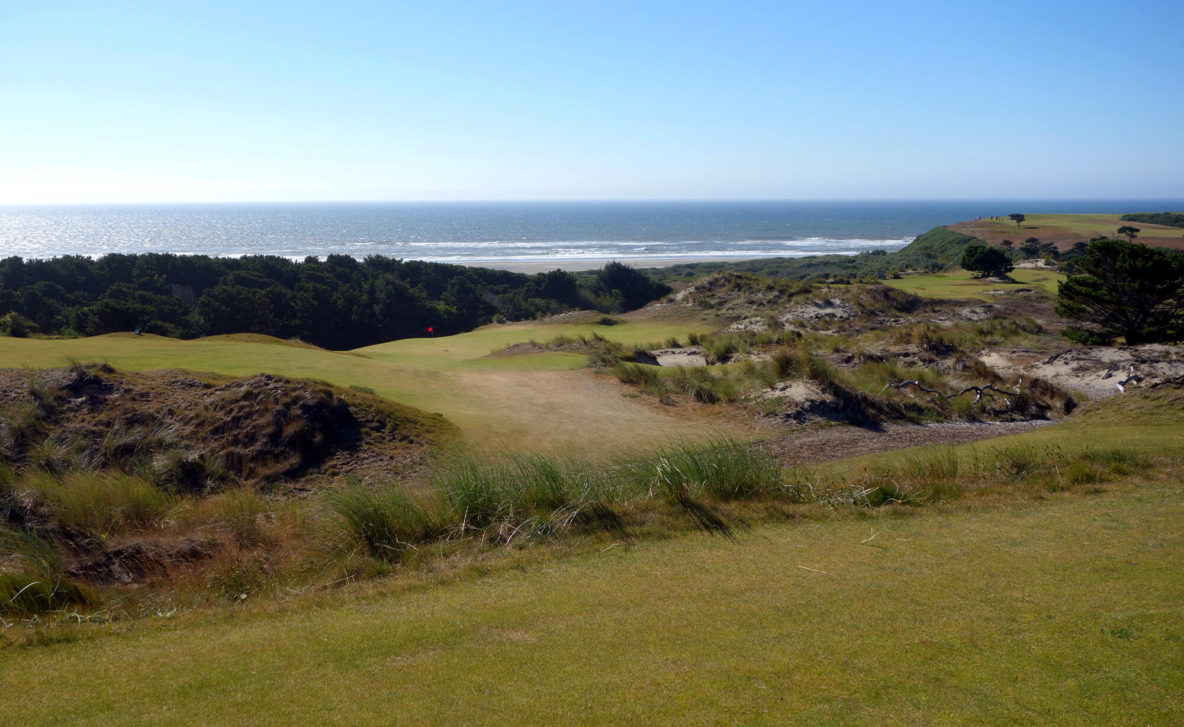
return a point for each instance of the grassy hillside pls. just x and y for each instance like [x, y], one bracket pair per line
[1066, 230]
[540, 401]
[941, 246]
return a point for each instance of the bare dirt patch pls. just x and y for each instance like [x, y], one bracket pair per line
[824, 444]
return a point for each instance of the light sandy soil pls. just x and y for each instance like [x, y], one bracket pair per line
[688, 356]
[1090, 370]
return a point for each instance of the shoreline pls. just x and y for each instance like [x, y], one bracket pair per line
[572, 266]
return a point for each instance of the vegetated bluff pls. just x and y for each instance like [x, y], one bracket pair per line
[938, 249]
[337, 303]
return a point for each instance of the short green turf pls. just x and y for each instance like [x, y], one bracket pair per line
[963, 284]
[1065, 612]
[470, 348]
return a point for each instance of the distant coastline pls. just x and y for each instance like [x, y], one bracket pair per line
[515, 236]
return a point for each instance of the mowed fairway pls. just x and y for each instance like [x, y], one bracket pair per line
[1069, 611]
[1065, 230]
[541, 401]
[963, 284]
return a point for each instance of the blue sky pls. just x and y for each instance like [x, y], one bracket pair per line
[253, 101]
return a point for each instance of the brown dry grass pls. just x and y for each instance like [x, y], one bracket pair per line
[1066, 230]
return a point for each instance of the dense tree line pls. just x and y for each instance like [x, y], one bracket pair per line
[339, 302]
[1171, 219]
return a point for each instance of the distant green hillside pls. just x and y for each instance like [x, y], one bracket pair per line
[1171, 219]
[938, 249]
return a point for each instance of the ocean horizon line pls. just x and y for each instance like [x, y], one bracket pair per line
[594, 201]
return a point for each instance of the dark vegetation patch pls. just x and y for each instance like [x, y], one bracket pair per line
[196, 432]
[338, 303]
[1169, 219]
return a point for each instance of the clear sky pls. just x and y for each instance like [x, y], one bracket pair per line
[227, 101]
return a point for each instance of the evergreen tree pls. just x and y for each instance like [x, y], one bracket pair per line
[986, 261]
[1128, 290]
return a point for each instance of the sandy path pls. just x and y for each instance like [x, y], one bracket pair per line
[814, 446]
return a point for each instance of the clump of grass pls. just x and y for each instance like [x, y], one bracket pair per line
[384, 523]
[180, 470]
[475, 490]
[721, 348]
[1019, 462]
[698, 383]
[236, 574]
[21, 425]
[37, 583]
[100, 504]
[238, 510]
[722, 470]
[52, 456]
[644, 377]
[507, 491]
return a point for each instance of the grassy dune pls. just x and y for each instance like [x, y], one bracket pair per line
[1068, 611]
[963, 284]
[540, 400]
[1043, 587]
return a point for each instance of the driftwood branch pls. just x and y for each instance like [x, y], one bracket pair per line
[1131, 378]
[978, 390]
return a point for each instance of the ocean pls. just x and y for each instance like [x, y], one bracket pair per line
[499, 233]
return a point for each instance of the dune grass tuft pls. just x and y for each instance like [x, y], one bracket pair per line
[34, 582]
[99, 504]
[384, 523]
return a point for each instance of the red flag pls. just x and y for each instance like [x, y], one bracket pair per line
[431, 329]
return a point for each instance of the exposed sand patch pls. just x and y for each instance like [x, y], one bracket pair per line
[1091, 370]
[688, 356]
[814, 310]
[754, 325]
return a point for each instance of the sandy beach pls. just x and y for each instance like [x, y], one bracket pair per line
[542, 266]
